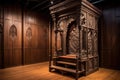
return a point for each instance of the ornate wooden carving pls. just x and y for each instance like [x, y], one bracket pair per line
[13, 32]
[83, 19]
[72, 38]
[77, 24]
[29, 33]
[90, 43]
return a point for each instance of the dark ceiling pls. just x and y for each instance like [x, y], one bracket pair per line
[41, 5]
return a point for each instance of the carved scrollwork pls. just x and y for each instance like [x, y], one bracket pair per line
[13, 32]
[29, 33]
[64, 22]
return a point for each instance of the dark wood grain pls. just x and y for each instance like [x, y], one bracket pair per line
[29, 45]
[35, 49]
[110, 47]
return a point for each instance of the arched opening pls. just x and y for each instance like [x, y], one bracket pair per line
[72, 38]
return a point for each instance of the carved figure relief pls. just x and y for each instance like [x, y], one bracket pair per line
[90, 23]
[82, 19]
[95, 40]
[59, 40]
[73, 39]
[13, 32]
[29, 33]
[90, 45]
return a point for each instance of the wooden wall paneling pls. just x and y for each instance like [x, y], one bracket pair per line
[27, 40]
[35, 47]
[34, 42]
[0, 50]
[1, 47]
[116, 39]
[12, 43]
[22, 49]
[1, 37]
[110, 37]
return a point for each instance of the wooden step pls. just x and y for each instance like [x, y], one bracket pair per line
[68, 63]
[65, 69]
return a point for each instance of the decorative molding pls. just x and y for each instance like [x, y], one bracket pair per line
[29, 33]
[13, 32]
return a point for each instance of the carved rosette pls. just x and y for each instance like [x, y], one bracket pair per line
[13, 32]
[29, 33]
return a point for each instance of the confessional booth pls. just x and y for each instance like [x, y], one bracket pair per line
[74, 37]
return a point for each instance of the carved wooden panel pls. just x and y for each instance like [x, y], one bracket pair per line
[83, 19]
[84, 39]
[89, 24]
[35, 38]
[90, 65]
[24, 42]
[12, 36]
[73, 38]
[62, 25]
[90, 43]
[13, 32]
[29, 33]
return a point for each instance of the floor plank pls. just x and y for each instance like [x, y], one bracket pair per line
[40, 72]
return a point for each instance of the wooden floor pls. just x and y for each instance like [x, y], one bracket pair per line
[40, 72]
